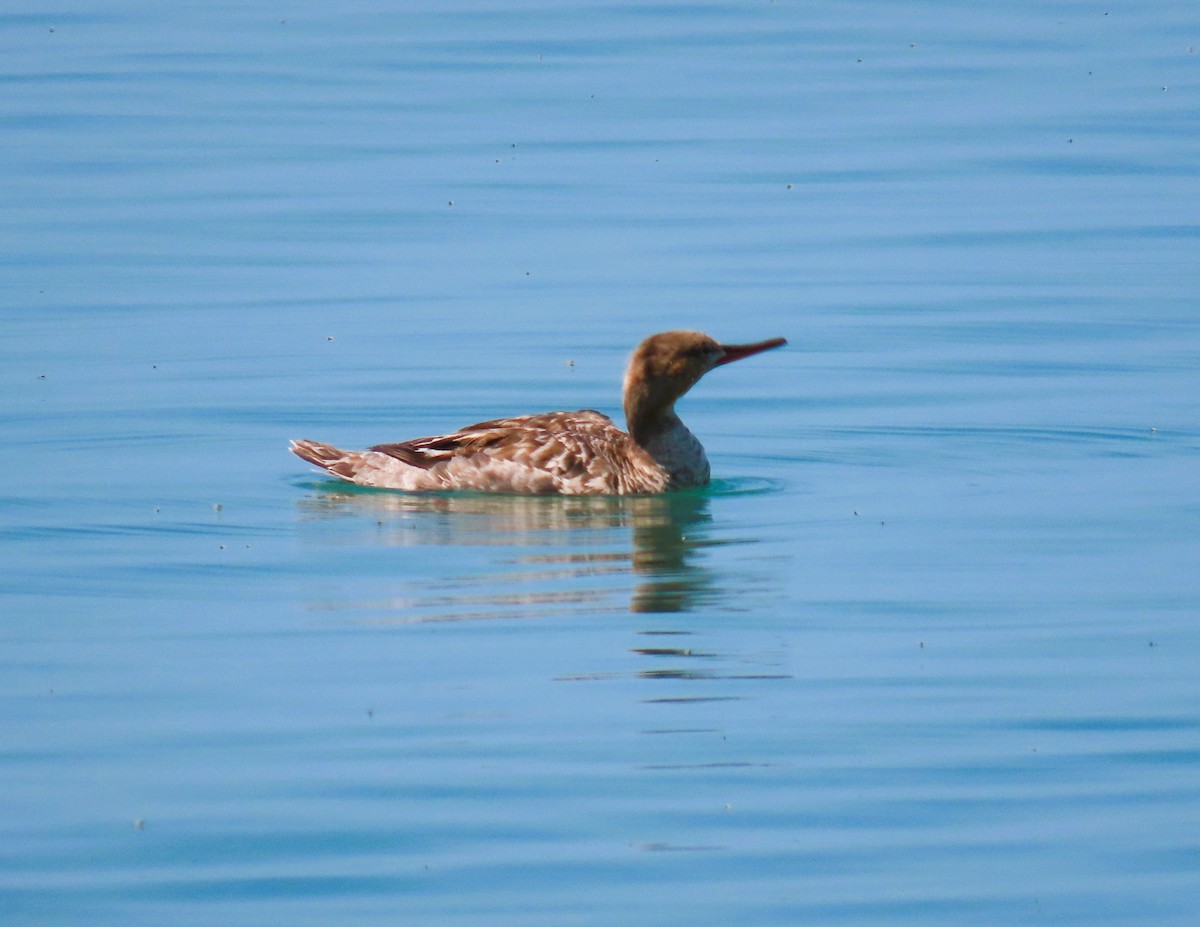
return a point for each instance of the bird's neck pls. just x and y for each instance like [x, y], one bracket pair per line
[665, 438]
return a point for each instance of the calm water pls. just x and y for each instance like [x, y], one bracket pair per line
[925, 653]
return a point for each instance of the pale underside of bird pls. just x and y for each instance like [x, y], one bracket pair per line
[568, 453]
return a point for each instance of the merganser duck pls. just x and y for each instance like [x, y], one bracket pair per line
[569, 453]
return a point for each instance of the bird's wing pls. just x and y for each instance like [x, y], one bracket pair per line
[564, 444]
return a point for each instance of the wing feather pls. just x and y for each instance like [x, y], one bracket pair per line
[564, 445]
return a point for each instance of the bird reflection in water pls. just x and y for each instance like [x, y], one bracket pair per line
[658, 540]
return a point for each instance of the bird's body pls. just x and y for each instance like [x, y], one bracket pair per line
[568, 453]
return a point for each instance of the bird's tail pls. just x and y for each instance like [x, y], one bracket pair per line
[344, 464]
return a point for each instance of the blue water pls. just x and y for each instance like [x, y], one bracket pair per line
[925, 653]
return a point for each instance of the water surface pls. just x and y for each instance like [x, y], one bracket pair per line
[925, 653]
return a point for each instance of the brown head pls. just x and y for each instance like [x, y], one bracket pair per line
[667, 365]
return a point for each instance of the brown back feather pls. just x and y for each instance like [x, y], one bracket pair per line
[555, 436]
